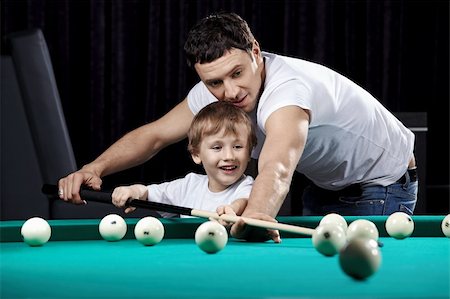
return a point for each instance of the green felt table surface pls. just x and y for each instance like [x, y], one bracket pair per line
[77, 263]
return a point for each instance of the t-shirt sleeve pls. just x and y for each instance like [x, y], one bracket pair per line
[289, 93]
[198, 97]
[169, 192]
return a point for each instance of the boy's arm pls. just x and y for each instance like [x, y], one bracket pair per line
[234, 208]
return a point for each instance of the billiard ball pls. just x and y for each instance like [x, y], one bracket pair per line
[362, 228]
[328, 239]
[446, 226]
[360, 258]
[112, 227]
[149, 231]
[36, 231]
[211, 236]
[399, 225]
[334, 218]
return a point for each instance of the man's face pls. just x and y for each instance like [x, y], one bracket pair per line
[235, 77]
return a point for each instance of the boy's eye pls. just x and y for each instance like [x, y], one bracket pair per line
[238, 146]
[216, 147]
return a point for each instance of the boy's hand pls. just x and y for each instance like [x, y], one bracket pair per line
[121, 195]
[226, 209]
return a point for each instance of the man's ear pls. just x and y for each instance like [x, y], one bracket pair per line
[256, 50]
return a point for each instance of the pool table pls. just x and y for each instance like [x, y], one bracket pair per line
[77, 263]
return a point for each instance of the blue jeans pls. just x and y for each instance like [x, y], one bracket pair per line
[371, 200]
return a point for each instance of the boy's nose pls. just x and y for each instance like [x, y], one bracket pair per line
[228, 154]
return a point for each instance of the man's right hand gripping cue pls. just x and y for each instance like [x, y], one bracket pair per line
[69, 186]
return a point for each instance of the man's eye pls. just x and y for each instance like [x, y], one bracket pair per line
[237, 74]
[215, 83]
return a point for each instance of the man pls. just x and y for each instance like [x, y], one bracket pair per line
[309, 119]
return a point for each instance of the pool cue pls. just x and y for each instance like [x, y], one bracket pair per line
[106, 197]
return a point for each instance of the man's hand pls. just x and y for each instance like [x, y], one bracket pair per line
[240, 230]
[69, 186]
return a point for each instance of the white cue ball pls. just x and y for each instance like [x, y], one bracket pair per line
[362, 228]
[328, 239]
[334, 218]
[36, 231]
[149, 230]
[446, 226]
[211, 236]
[399, 225]
[112, 227]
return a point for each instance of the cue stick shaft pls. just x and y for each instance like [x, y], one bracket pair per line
[106, 197]
[255, 222]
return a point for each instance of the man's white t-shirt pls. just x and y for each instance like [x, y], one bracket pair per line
[192, 192]
[352, 138]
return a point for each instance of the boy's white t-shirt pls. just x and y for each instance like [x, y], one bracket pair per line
[352, 138]
[192, 192]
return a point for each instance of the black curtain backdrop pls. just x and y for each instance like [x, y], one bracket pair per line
[120, 64]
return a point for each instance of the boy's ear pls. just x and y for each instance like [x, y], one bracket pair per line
[196, 158]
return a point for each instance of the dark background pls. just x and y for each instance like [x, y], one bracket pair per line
[120, 64]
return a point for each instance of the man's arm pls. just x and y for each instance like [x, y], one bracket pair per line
[134, 148]
[286, 133]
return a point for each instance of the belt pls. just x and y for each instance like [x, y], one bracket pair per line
[355, 190]
[352, 190]
[412, 173]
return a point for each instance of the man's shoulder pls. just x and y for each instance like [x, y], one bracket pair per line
[284, 59]
[280, 68]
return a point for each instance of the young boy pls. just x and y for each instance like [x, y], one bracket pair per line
[221, 138]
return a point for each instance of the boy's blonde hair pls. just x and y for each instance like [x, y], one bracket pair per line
[218, 116]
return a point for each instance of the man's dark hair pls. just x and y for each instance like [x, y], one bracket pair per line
[216, 34]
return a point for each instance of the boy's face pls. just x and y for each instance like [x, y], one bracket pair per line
[235, 77]
[224, 158]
